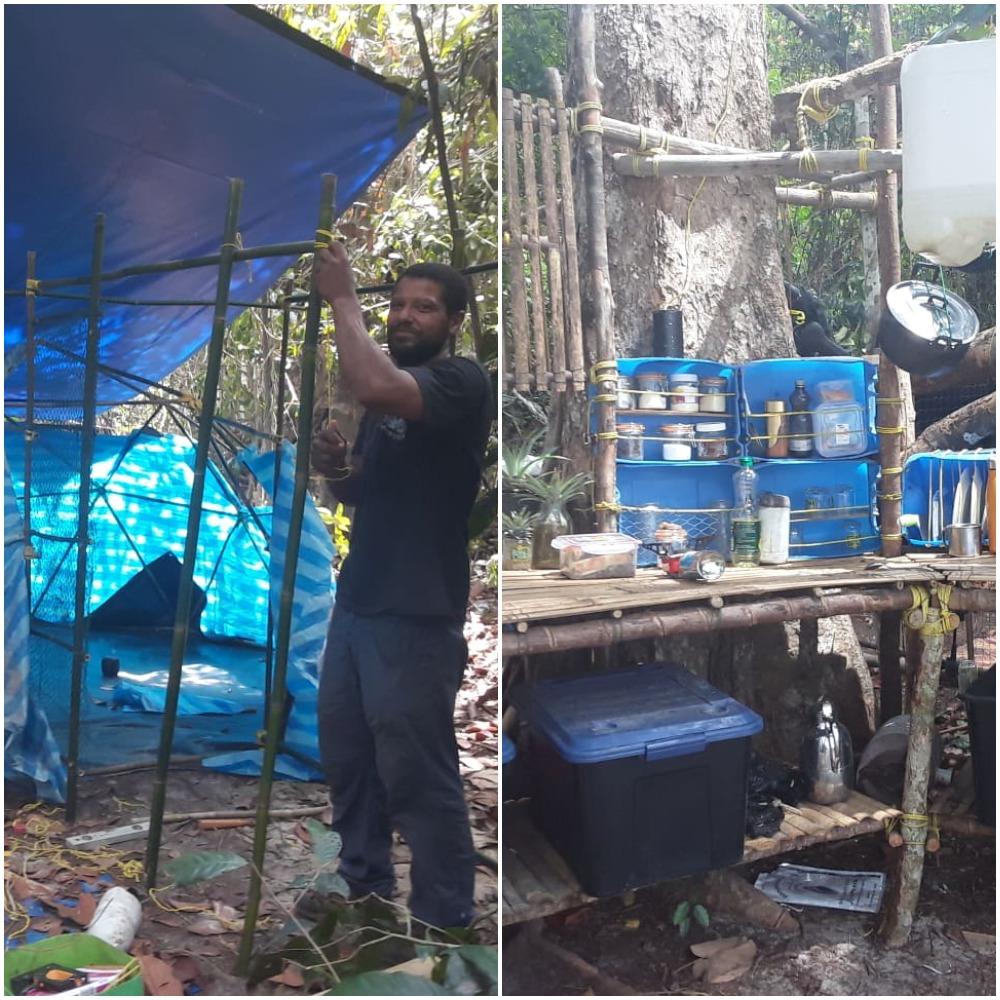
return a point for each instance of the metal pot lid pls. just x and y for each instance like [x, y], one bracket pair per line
[931, 313]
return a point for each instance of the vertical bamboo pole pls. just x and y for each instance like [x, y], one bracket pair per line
[553, 232]
[893, 384]
[602, 343]
[904, 883]
[517, 296]
[80, 655]
[293, 544]
[869, 238]
[574, 349]
[279, 423]
[185, 587]
[29, 412]
[543, 376]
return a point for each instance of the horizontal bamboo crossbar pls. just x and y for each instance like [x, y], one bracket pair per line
[824, 200]
[649, 624]
[845, 87]
[795, 164]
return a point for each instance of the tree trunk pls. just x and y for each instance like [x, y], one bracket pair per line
[726, 275]
[711, 246]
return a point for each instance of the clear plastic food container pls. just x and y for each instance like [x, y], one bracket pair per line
[602, 556]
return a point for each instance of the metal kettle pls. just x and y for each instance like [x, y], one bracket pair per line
[827, 756]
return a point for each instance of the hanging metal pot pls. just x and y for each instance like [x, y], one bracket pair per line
[925, 329]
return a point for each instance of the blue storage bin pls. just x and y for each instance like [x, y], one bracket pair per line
[775, 379]
[639, 775]
[652, 419]
[924, 474]
[826, 533]
[682, 493]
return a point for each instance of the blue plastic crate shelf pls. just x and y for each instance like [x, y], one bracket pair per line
[833, 531]
[775, 379]
[652, 419]
[934, 471]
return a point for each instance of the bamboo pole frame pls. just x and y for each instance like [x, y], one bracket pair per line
[541, 359]
[824, 200]
[29, 413]
[793, 164]
[600, 632]
[276, 715]
[80, 656]
[515, 250]
[603, 340]
[185, 588]
[574, 348]
[552, 243]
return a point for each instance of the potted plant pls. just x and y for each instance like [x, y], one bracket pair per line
[553, 491]
[518, 527]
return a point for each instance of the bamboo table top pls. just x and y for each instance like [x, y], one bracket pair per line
[546, 595]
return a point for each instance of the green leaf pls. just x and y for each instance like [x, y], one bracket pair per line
[471, 970]
[387, 984]
[204, 865]
[701, 915]
[681, 912]
[326, 843]
[685, 926]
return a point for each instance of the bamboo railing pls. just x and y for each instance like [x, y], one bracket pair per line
[543, 335]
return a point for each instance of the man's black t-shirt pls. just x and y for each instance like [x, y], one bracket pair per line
[419, 480]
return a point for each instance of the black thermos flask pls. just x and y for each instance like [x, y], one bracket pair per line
[668, 333]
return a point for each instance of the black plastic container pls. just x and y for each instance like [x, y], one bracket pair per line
[668, 333]
[981, 701]
[638, 776]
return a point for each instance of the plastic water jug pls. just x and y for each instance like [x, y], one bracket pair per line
[949, 149]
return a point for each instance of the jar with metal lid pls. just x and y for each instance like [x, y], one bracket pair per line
[684, 393]
[677, 442]
[626, 400]
[652, 391]
[713, 394]
[630, 441]
[712, 443]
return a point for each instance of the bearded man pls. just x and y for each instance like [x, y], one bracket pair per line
[395, 651]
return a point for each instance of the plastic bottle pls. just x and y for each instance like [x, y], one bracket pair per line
[800, 422]
[775, 526]
[746, 519]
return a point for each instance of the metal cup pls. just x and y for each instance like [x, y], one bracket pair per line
[963, 539]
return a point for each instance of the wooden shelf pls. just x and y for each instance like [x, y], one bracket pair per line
[537, 882]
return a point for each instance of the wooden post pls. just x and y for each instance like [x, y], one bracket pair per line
[904, 887]
[893, 385]
[516, 298]
[574, 346]
[603, 341]
[541, 361]
[553, 235]
[869, 243]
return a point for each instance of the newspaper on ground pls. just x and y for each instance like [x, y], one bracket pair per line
[798, 885]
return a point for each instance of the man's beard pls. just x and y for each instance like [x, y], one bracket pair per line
[416, 352]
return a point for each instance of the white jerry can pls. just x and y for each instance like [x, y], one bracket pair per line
[949, 149]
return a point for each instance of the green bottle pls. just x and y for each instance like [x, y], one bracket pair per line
[746, 519]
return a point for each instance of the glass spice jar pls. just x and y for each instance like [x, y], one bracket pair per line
[652, 389]
[713, 394]
[684, 393]
[677, 443]
[630, 441]
[626, 401]
[712, 443]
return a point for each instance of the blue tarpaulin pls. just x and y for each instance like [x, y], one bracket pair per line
[143, 113]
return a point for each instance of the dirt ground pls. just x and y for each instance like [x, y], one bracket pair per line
[836, 953]
[196, 931]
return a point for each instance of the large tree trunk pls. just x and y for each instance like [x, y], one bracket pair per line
[710, 245]
[685, 69]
